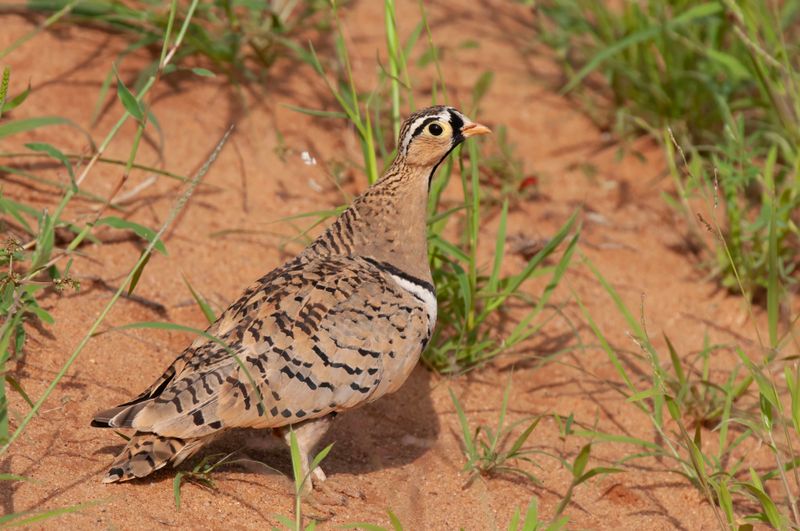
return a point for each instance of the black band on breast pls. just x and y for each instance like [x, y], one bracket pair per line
[392, 270]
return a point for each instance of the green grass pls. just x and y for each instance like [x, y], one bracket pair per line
[717, 85]
[487, 450]
[34, 263]
[494, 451]
[471, 298]
[719, 79]
[739, 409]
[240, 40]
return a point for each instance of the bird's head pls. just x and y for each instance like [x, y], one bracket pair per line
[428, 135]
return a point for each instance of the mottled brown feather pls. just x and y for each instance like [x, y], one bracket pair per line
[340, 325]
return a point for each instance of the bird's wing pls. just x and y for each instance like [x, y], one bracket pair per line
[321, 336]
[203, 356]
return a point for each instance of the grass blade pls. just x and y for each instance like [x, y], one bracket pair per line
[201, 302]
[694, 13]
[177, 207]
[465, 431]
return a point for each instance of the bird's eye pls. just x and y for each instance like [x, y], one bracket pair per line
[435, 129]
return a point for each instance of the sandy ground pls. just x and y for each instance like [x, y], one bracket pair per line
[402, 453]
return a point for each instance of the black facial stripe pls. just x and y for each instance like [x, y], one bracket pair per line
[421, 128]
[433, 171]
[456, 123]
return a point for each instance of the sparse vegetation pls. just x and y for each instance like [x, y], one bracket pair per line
[30, 266]
[741, 410]
[718, 79]
[493, 451]
[487, 449]
[241, 40]
[716, 84]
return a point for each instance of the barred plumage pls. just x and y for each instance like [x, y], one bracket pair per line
[340, 325]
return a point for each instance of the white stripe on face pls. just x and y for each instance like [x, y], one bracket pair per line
[443, 116]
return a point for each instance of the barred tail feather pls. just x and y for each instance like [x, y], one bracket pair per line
[147, 452]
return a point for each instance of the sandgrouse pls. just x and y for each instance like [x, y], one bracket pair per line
[338, 326]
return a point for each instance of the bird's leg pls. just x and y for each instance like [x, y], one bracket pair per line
[308, 434]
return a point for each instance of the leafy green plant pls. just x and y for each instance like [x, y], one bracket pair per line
[719, 79]
[300, 480]
[30, 260]
[702, 402]
[531, 520]
[200, 474]
[470, 301]
[487, 449]
[581, 475]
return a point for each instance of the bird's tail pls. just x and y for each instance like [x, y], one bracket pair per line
[147, 452]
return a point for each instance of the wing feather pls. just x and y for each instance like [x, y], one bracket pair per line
[303, 341]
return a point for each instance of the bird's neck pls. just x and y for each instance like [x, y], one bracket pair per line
[387, 223]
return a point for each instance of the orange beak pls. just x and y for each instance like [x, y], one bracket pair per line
[473, 129]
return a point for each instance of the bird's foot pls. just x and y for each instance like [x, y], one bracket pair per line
[319, 475]
[328, 499]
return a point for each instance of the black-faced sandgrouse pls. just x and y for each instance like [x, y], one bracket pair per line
[338, 326]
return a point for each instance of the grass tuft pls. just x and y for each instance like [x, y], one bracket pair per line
[487, 449]
[721, 80]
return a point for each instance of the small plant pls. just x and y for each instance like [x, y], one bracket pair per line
[490, 452]
[531, 520]
[487, 450]
[580, 475]
[702, 401]
[720, 79]
[200, 474]
[299, 483]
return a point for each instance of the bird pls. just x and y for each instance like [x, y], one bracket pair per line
[340, 325]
